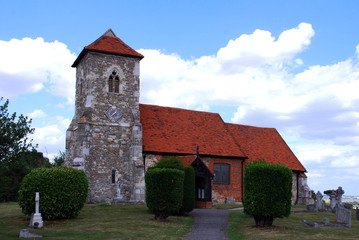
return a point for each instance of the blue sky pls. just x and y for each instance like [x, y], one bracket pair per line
[292, 65]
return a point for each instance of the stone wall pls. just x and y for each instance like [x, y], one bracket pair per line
[108, 150]
[294, 187]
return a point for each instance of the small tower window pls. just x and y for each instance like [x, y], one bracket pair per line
[113, 176]
[114, 82]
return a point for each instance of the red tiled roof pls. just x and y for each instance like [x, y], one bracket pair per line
[264, 143]
[179, 131]
[108, 43]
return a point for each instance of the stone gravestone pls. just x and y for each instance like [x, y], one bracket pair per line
[343, 215]
[339, 193]
[357, 213]
[333, 201]
[25, 233]
[36, 218]
[319, 203]
[326, 221]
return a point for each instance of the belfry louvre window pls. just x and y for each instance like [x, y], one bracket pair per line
[114, 82]
[221, 173]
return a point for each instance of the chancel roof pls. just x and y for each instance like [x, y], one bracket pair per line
[168, 130]
[264, 143]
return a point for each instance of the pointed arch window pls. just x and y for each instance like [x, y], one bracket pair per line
[114, 82]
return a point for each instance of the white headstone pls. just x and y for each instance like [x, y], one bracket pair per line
[36, 218]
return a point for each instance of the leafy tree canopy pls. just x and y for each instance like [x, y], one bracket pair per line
[13, 134]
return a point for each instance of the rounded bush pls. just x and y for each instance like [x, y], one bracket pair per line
[170, 162]
[63, 192]
[267, 191]
[164, 191]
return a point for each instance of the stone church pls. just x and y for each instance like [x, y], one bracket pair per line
[114, 138]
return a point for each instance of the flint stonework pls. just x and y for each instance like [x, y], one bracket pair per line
[105, 133]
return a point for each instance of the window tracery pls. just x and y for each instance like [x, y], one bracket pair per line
[114, 82]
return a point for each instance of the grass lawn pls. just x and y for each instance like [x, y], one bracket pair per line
[241, 226]
[97, 222]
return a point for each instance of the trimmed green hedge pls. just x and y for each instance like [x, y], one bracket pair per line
[267, 191]
[170, 162]
[189, 191]
[164, 191]
[63, 192]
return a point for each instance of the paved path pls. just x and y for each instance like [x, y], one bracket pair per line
[209, 224]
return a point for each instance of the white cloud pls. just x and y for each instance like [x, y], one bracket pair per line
[37, 114]
[248, 71]
[260, 48]
[51, 138]
[31, 64]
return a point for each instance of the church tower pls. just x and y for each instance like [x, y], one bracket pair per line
[105, 136]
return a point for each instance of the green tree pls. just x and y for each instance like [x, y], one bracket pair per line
[18, 155]
[11, 174]
[13, 134]
[59, 159]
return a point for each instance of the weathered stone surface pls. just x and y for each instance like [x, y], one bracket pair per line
[357, 213]
[343, 215]
[99, 143]
[304, 194]
[25, 233]
[326, 221]
[312, 208]
[319, 203]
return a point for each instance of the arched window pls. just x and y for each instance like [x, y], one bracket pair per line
[114, 82]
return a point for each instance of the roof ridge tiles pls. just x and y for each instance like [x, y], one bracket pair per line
[108, 43]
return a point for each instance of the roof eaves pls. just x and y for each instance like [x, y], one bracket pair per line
[189, 154]
[85, 50]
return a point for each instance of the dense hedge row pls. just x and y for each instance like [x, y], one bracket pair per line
[267, 191]
[188, 186]
[164, 191]
[63, 192]
[170, 162]
[189, 191]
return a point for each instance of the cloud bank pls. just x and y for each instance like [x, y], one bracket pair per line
[28, 65]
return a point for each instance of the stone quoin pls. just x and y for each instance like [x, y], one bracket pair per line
[114, 138]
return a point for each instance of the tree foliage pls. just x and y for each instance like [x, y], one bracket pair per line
[13, 173]
[267, 191]
[13, 134]
[59, 159]
[18, 155]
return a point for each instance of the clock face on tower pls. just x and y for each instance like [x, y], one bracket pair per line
[113, 114]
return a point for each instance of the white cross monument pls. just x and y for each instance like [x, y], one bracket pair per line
[36, 218]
